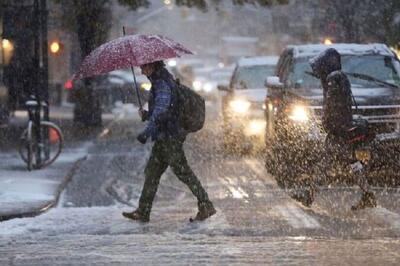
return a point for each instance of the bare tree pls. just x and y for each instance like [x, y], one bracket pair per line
[361, 20]
[90, 20]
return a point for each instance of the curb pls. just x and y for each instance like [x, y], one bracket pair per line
[50, 204]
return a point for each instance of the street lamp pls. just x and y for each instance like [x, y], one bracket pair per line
[7, 50]
[7, 45]
[56, 47]
[328, 41]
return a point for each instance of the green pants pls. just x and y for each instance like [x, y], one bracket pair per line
[168, 153]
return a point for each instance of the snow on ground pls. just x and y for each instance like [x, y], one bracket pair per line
[25, 191]
[256, 223]
[100, 236]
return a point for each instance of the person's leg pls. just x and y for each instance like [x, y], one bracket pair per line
[154, 169]
[356, 171]
[368, 199]
[182, 170]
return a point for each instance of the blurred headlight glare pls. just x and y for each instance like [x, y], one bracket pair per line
[172, 63]
[207, 87]
[239, 106]
[197, 85]
[256, 127]
[146, 86]
[299, 113]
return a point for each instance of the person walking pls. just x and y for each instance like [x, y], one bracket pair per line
[168, 135]
[337, 118]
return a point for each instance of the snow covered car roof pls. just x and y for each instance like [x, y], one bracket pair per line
[257, 61]
[308, 50]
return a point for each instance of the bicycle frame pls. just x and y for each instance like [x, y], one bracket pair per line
[35, 117]
[42, 141]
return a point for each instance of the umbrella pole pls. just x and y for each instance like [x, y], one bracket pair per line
[134, 79]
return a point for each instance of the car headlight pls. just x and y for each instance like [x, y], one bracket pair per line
[146, 86]
[256, 127]
[299, 113]
[197, 85]
[239, 106]
[208, 87]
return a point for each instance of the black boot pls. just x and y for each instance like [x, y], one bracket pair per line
[206, 209]
[367, 200]
[305, 197]
[136, 216]
[305, 193]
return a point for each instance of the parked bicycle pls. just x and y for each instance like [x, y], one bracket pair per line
[42, 141]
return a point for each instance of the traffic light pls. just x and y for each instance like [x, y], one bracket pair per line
[56, 48]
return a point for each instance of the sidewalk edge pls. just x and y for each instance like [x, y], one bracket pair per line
[50, 204]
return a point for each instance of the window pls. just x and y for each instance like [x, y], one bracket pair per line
[252, 77]
[376, 66]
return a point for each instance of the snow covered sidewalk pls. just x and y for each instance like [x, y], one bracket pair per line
[24, 193]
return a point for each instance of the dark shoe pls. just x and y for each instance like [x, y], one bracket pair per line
[367, 200]
[205, 210]
[136, 216]
[305, 195]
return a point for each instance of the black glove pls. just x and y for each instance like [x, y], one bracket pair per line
[142, 137]
[144, 115]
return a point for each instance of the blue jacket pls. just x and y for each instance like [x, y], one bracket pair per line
[162, 116]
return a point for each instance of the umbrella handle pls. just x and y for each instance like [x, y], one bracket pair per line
[134, 79]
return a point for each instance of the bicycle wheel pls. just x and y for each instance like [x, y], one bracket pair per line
[50, 146]
[53, 142]
[25, 147]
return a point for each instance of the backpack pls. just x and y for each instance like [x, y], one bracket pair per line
[191, 108]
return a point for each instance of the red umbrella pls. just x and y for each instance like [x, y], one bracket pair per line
[128, 51]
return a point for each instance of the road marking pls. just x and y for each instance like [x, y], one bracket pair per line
[259, 169]
[296, 217]
[235, 189]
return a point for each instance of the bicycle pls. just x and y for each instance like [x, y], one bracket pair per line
[42, 141]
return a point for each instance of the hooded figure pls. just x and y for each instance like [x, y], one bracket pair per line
[337, 113]
[337, 118]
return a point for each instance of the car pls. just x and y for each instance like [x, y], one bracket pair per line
[183, 69]
[294, 100]
[198, 74]
[115, 86]
[207, 79]
[243, 102]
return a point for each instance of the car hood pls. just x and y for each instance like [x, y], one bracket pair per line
[253, 95]
[363, 96]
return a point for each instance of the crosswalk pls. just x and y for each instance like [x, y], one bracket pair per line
[262, 195]
[296, 217]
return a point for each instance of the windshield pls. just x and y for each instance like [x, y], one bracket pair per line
[377, 66]
[251, 77]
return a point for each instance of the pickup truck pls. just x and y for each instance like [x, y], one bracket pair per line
[294, 101]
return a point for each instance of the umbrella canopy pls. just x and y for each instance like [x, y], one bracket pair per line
[129, 51]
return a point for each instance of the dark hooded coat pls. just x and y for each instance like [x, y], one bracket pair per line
[337, 103]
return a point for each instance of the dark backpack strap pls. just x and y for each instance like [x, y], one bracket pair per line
[173, 86]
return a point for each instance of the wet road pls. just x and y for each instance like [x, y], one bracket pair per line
[257, 222]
